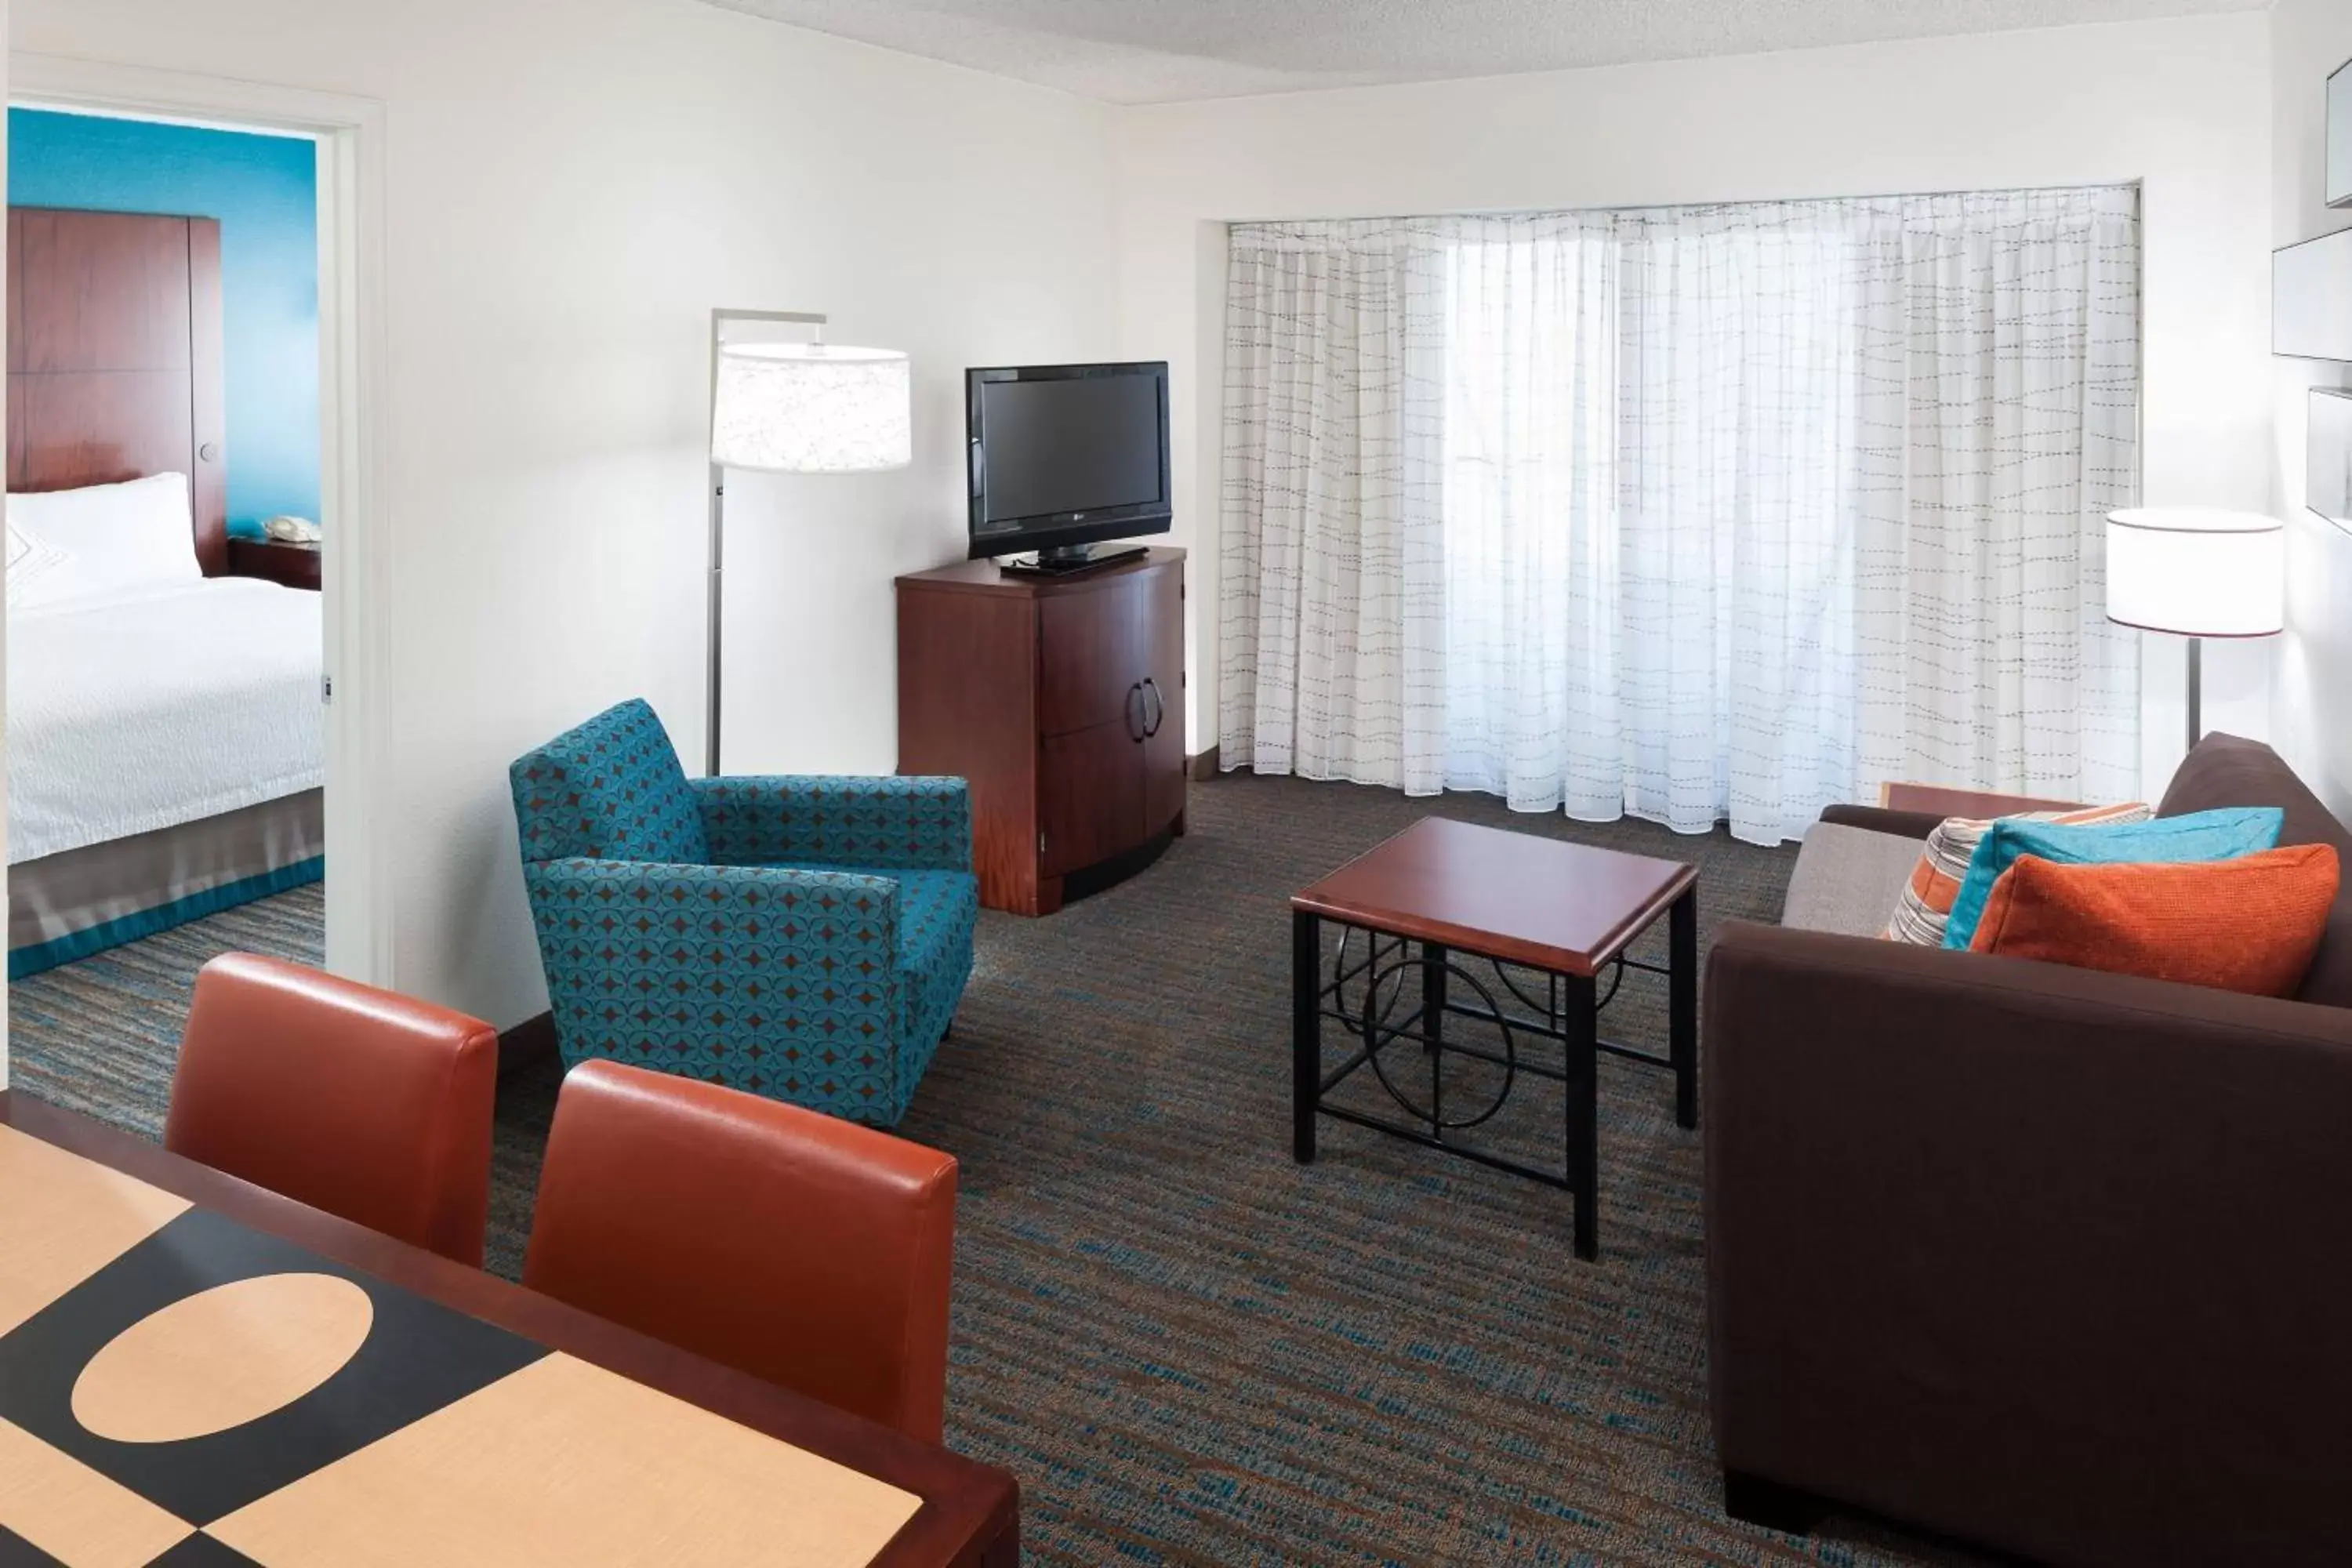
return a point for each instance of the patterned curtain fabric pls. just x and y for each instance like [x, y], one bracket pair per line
[1333, 611]
[1702, 513]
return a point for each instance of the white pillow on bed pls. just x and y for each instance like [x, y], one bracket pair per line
[27, 559]
[113, 539]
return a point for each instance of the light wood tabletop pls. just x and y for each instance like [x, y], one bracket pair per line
[194, 1369]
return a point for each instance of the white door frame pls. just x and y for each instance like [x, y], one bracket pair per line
[349, 132]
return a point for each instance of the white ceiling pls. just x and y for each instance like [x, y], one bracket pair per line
[1157, 51]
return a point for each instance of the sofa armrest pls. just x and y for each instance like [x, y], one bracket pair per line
[1921, 807]
[885, 822]
[1959, 800]
[2033, 1254]
[1878, 819]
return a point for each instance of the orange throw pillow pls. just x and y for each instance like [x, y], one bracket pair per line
[2250, 924]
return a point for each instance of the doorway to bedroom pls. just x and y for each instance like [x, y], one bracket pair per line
[166, 729]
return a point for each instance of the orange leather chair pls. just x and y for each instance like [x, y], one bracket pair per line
[362, 1102]
[807, 1251]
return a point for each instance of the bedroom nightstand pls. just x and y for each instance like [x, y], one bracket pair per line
[295, 565]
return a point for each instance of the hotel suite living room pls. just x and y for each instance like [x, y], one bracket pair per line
[1315, 783]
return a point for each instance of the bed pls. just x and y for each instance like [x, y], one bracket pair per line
[166, 733]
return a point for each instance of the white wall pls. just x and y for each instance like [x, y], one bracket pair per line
[2182, 106]
[2309, 38]
[571, 185]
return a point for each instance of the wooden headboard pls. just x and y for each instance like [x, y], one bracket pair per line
[114, 357]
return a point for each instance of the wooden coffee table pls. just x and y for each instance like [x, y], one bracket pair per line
[1465, 892]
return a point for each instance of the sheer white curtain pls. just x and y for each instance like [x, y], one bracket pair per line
[1332, 615]
[2022, 312]
[1705, 514]
[1532, 542]
[1758, 490]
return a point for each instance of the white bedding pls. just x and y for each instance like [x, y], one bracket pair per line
[154, 708]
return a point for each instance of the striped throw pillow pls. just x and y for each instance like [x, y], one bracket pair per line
[1927, 903]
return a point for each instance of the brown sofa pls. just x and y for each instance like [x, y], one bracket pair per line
[2054, 1260]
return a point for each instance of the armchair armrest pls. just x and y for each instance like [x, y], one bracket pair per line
[888, 822]
[2033, 1254]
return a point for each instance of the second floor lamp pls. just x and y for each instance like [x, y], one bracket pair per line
[786, 407]
[2198, 573]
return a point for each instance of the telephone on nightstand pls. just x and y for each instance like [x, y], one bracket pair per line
[290, 530]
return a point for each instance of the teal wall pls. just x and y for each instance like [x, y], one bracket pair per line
[265, 192]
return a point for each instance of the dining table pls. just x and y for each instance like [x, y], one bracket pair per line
[195, 1372]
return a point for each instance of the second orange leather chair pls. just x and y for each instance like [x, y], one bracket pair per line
[809, 1252]
[365, 1103]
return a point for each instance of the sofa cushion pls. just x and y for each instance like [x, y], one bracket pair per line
[2250, 924]
[1925, 906]
[1847, 880]
[2221, 835]
[2229, 769]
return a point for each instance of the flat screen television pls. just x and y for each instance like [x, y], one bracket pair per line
[1064, 456]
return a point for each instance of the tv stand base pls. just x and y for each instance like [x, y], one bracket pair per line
[1068, 558]
[1061, 701]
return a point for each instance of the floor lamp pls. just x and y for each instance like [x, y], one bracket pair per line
[792, 408]
[2198, 573]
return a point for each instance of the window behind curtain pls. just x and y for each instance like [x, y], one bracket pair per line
[1702, 513]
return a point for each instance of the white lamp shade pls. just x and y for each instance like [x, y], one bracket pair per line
[2196, 572]
[810, 408]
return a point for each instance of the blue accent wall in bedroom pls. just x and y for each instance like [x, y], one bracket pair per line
[265, 192]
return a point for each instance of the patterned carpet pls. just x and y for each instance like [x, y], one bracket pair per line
[1189, 1348]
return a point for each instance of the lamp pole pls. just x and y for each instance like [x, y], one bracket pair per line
[2196, 690]
[720, 319]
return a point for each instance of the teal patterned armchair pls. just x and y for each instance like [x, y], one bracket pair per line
[803, 938]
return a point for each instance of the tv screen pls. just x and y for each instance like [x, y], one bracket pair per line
[1066, 455]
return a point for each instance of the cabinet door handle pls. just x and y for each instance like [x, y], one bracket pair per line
[1132, 715]
[1158, 707]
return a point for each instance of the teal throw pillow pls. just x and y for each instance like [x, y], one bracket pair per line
[2222, 834]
